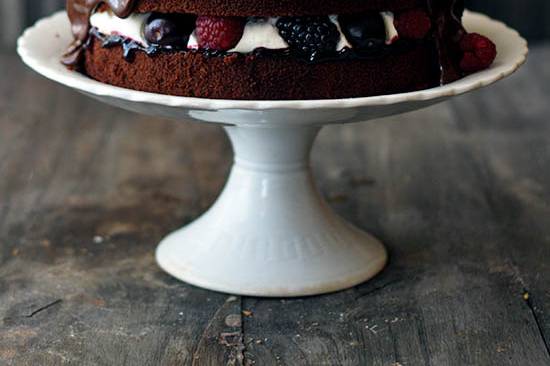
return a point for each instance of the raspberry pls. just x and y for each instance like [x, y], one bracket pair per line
[219, 33]
[479, 52]
[309, 35]
[413, 24]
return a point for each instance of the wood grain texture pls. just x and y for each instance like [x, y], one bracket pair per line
[459, 193]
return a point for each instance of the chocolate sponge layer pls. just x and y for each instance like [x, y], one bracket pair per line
[261, 77]
[274, 7]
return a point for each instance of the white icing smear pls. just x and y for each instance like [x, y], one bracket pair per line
[391, 31]
[132, 27]
[343, 42]
[257, 33]
[193, 43]
[260, 33]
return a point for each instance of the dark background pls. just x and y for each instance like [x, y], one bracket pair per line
[530, 17]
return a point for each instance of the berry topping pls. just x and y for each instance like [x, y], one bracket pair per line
[168, 29]
[309, 35]
[219, 33]
[413, 24]
[364, 31]
[479, 52]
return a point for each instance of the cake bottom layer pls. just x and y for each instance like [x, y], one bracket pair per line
[263, 77]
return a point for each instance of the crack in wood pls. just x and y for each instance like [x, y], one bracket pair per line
[377, 289]
[42, 308]
[217, 332]
[239, 355]
[528, 300]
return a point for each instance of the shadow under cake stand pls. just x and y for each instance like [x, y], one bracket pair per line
[270, 233]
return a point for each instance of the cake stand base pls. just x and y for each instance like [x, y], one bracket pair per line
[270, 233]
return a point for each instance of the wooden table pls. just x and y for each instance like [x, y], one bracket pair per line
[459, 193]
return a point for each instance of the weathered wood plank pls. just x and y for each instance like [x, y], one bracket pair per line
[83, 206]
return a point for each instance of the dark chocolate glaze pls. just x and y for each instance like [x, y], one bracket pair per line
[448, 30]
[79, 12]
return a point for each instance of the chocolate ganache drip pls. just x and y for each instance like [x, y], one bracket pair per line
[448, 31]
[79, 12]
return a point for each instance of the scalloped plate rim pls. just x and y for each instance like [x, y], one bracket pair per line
[88, 85]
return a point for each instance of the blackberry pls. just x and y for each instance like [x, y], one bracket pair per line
[309, 35]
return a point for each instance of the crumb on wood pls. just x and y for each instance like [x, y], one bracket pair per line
[98, 239]
[99, 302]
[372, 328]
[233, 320]
[231, 299]
[394, 320]
[230, 339]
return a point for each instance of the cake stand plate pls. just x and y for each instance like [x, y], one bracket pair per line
[270, 233]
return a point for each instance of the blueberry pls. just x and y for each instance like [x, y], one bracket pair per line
[168, 29]
[364, 31]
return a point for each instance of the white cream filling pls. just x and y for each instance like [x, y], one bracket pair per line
[256, 34]
[260, 33]
[108, 23]
[193, 43]
[343, 42]
[391, 31]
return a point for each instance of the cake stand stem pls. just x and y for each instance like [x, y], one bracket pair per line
[270, 233]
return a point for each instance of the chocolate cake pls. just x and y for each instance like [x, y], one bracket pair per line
[274, 49]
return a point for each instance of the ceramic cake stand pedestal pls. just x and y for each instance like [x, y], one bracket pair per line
[269, 233]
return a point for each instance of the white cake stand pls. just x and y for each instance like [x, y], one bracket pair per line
[270, 233]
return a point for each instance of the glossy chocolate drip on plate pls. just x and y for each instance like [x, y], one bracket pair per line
[79, 12]
[448, 30]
